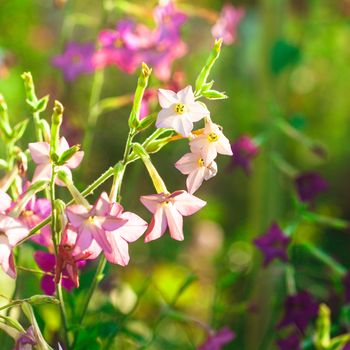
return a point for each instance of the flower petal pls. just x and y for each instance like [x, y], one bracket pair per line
[77, 214]
[46, 261]
[195, 179]
[134, 228]
[120, 252]
[175, 222]
[75, 161]
[167, 98]
[42, 172]
[47, 284]
[152, 201]
[186, 203]
[5, 201]
[186, 95]
[188, 163]
[157, 226]
[40, 152]
[197, 111]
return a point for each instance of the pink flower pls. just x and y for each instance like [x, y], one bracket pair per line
[226, 25]
[218, 340]
[37, 210]
[180, 110]
[12, 231]
[132, 229]
[211, 142]
[167, 210]
[192, 164]
[92, 224]
[40, 152]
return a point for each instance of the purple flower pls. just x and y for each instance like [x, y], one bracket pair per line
[273, 244]
[47, 263]
[300, 309]
[26, 340]
[226, 25]
[309, 185]
[217, 340]
[76, 60]
[292, 342]
[346, 283]
[244, 149]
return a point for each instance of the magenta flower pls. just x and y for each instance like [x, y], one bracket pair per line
[93, 223]
[76, 60]
[211, 142]
[309, 185]
[167, 210]
[299, 310]
[12, 231]
[179, 110]
[292, 342]
[244, 150]
[227, 24]
[40, 152]
[118, 47]
[273, 244]
[192, 164]
[47, 262]
[218, 340]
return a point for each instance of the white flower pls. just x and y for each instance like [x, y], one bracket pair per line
[192, 164]
[179, 110]
[211, 142]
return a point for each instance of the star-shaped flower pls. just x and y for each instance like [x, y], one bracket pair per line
[299, 310]
[273, 244]
[192, 164]
[211, 142]
[167, 210]
[179, 110]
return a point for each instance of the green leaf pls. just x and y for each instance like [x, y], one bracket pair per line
[283, 55]
[339, 342]
[19, 129]
[214, 95]
[42, 104]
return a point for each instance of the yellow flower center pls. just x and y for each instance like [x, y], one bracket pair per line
[118, 43]
[212, 137]
[179, 108]
[201, 162]
[91, 219]
[27, 213]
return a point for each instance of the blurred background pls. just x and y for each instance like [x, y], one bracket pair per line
[286, 74]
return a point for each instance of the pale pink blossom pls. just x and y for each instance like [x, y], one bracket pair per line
[211, 142]
[40, 152]
[168, 210]
[92, 223]
[192, 164]
[227, 24]
[179, 110]
[108, 225]
[132, 229]
[12, 231]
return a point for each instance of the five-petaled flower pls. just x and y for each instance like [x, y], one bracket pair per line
[299, 310]
[309, 185]
[273, 244]
[167, 210]
[40, 152]
[179, 110]
[192, 164]
[211, 142]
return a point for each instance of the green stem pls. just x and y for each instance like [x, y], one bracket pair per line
[339, 269]
[63, 313]
[92, 116]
